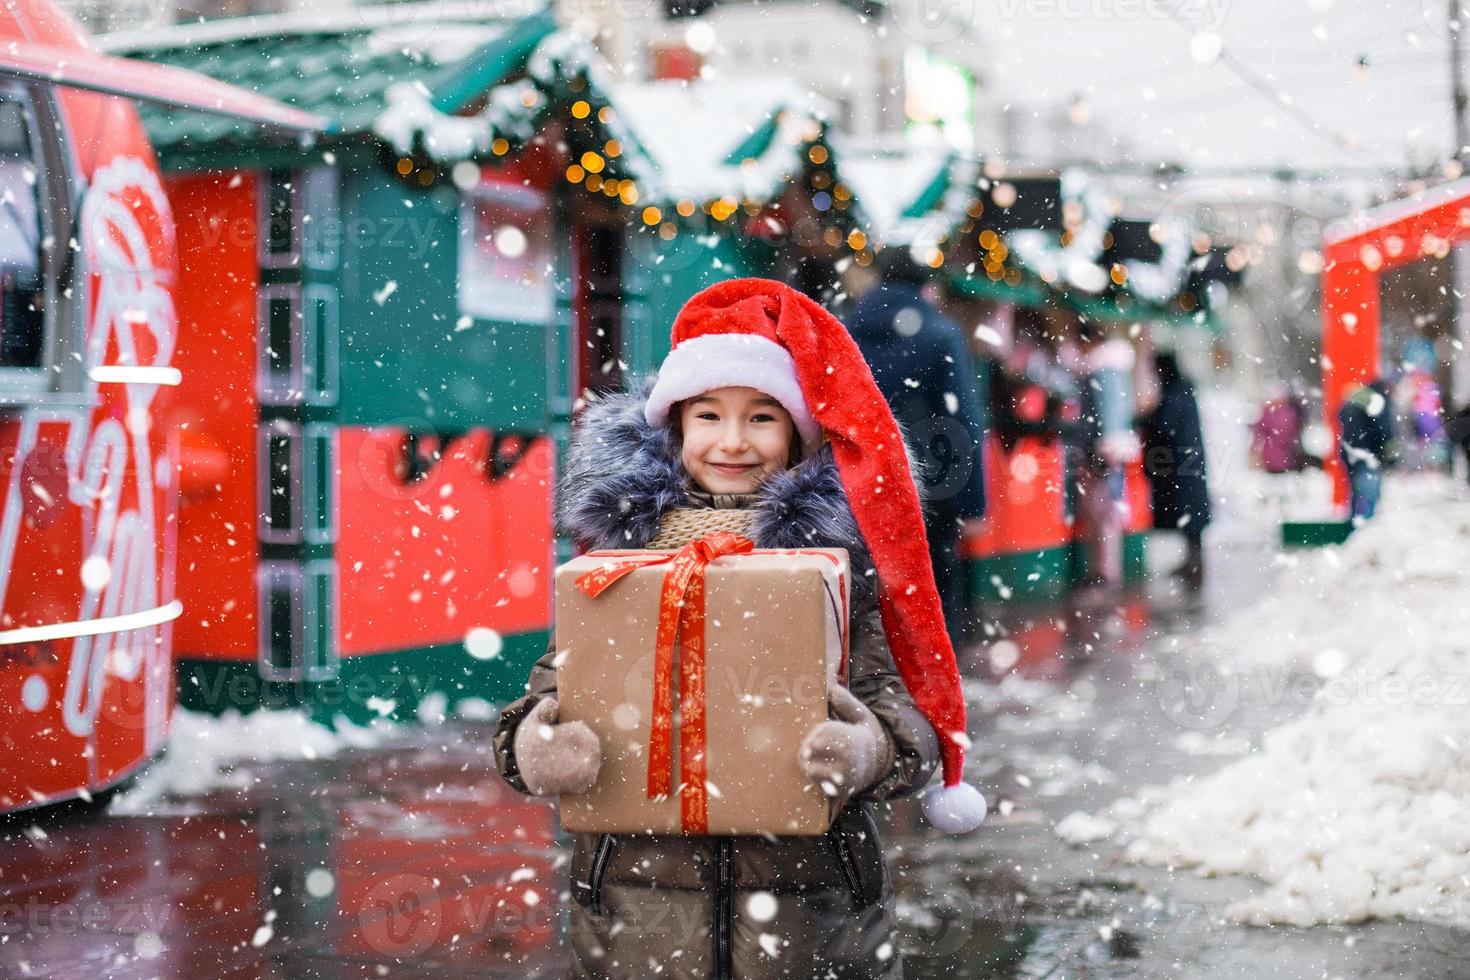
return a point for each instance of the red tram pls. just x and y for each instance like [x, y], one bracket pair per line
[88, 328]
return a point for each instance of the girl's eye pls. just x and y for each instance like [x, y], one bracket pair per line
[708, 416]
[763, 418]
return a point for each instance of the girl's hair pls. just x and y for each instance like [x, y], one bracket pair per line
[676, 429]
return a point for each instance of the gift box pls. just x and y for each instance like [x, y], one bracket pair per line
[701, 670]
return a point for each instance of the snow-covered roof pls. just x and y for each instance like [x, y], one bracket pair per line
[1076, 263]
[699, 141]
[890, 181]
[340, 66]
[692, 130]
[419, 21]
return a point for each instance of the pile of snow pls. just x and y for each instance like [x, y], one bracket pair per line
[1360, 808]
[207, 752]
[1399, 582]
[1079, 828]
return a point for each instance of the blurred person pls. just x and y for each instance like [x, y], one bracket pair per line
[1420, 410]
[1174, 462]
[1366, 422]
[1109, 445]
[1458, 431]
[1276, 435]
[922, 365]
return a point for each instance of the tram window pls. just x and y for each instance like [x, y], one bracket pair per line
[22, 307]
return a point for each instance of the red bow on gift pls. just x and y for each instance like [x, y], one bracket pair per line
[680, 619]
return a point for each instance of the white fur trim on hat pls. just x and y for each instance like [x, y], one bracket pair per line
[702, 364]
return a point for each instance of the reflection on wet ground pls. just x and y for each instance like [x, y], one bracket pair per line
[413, 860]
[408, 860]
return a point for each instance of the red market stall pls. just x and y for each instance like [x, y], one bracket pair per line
[1356, 254]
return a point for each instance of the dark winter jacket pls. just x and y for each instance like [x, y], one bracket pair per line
[679, 907]
[1174, 454]
[1366, 418]
[919, 359]
[1458, 430]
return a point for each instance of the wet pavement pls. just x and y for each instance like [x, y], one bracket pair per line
[1106, 696]
[413, 860]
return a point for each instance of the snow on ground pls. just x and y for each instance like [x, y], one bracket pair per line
[205, 752]
[1400, 582]
[1359, 808]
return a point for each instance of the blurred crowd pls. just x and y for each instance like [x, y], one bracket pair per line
[1116, 404]
[1097, 392]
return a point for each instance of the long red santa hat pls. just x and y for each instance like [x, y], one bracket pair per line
[763, 334]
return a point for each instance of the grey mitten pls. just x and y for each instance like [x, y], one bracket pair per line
[556, 759]
[847, 755]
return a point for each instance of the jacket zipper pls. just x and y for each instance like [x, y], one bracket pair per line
[724, 911]
[599, 868]
[849, 869]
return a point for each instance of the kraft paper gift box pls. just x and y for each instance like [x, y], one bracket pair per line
[774, 640]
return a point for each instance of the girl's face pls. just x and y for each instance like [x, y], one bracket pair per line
[734, 438]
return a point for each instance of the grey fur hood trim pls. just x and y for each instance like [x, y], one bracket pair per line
[622, 475]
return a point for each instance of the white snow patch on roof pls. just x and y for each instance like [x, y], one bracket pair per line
[689, 129]
[888, 182]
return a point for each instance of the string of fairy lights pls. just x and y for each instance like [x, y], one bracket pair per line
[564, 84]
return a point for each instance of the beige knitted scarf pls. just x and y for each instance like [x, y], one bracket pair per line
[706, 513]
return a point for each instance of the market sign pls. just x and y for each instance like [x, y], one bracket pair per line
[505, 255]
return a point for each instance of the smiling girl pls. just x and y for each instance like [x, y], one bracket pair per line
[764, 421]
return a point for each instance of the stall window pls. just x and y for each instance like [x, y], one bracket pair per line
[281, 483]
[299, 622]
[280, 656]
[280, 219]
[598, 310]
[319, 344]
[281, 368]
[320, 656]
[505, 255]
[321, 224]
[320, 504]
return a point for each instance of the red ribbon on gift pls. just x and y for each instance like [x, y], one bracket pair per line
[680, 619]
